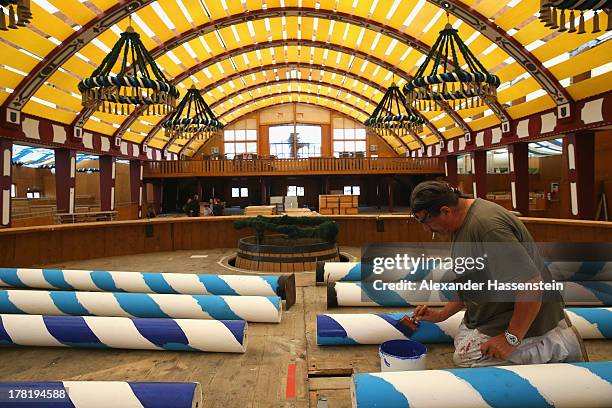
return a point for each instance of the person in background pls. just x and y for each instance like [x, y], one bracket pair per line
[194, 210]
[217, 207]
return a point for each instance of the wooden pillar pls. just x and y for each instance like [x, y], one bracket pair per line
[65, 179]
[479, 173]
[136, 185]
[6, 180]
[158, 196]
[264, 190]
[579, 149]
[519, 176]
[391, 191]
[107, 183]
[199, 188]
[450, 169]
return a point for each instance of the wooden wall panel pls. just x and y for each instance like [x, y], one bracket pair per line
[37, 246]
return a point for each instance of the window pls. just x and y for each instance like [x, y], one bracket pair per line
[13, 190]
[295, 191]
[306, 139]
[240, 192]
[352, 190]
[33, 194]
[281, 141]
[349, 142]
[239, 141]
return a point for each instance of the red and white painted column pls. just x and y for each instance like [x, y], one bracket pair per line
[479, 173]
[107, 183]
[6, 180]
[450, 169]
[136, 184]
[579, 149]
[519, 176]
[65, 180]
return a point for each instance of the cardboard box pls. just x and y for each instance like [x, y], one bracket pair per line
[352, 211]
[325, 211]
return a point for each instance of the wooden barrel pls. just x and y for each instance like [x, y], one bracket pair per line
[278, 253]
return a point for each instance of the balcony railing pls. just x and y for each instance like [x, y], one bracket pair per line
[318, 165]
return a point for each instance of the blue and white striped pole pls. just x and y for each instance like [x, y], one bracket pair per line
[580, 271]
[96, 394]
[560, 270]
[224, 336]
[145, 282]
[330, 272]
[262, 309]
[369, 328]
[352, 294]
[539, 385]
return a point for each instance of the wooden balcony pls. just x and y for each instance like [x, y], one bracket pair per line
[309, 166]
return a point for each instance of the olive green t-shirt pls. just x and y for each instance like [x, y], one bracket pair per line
[490, 228]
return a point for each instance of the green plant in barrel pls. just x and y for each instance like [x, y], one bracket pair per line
[293, 227]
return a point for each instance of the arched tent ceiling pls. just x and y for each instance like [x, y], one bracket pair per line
[66, 39]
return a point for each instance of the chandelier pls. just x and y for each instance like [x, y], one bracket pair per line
[393, 116]
[192, 118]
[549, 9]
[18, 17]
[447, 80]
[139, 82]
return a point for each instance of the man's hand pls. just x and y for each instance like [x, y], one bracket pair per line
[497, 347]
[424, 313]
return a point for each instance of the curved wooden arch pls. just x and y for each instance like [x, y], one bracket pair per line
[187, 145]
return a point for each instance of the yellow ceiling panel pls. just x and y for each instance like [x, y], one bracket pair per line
[516, 15]
[47, 23]
[489, 7]
[10, 79]
[583, 62]
[175, 14]
[58, 97]
[99, 127]
[75, 10]
[591, 86]
[414, 145]
[215, 8]
[157, 143]
[430, 140]
[483, 123]
[104, 4]
[527, 108]
[454, 132]
[38, 109]
[28, 40]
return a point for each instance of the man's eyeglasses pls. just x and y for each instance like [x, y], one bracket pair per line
[423, 220]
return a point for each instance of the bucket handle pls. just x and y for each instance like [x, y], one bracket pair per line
[386, 362]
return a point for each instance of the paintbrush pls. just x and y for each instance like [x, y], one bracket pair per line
[407, 325]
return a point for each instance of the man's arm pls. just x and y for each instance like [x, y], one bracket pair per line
[426, 314]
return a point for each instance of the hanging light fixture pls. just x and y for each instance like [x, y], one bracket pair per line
[19, 13]
[447, 80]
[192, 118]
[553, 14]
[393, 116]
[139, 82]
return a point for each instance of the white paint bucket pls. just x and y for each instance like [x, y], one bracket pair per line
[402, 355]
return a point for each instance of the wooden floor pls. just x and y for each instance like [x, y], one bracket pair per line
[258, 378]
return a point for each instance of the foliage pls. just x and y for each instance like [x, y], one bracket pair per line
[293, 227]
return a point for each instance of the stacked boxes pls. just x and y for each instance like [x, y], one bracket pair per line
[338, 204]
